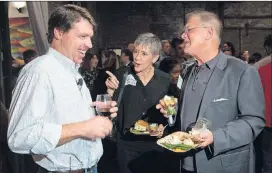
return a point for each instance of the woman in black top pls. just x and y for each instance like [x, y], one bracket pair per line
[108, 63]
[89, 71]
[144, 87]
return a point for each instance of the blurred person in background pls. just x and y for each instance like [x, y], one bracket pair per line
[177, 45]
[264, 141]
[227, 51]
[255, 57]
[244, 56]
[173, 68]
[108, 63]
[130, 47]
[165, 52]
[126, 57]
[166, 47]
[229, 45]
[89, 71]
[28, 56]
[268, 49]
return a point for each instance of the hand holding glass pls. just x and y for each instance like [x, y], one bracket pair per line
[103, 104]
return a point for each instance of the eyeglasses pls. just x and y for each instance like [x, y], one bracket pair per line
[187, 30]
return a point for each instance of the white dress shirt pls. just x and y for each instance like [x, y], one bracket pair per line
[47, 96]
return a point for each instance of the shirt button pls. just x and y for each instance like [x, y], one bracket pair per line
[143, 113]
[144, 100]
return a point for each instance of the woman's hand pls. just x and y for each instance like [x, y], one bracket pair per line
[112, 83]
[162, 107]
[159, 132]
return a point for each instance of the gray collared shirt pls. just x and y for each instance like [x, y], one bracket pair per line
[46, 97]
[192, 97]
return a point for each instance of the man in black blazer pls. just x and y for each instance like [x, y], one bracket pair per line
[224, 90]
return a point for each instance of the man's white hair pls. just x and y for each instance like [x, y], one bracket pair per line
[208, 19]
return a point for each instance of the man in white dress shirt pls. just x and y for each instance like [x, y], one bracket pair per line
[51, 113]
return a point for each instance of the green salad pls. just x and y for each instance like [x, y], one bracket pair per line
[171, 110]
[177, 146]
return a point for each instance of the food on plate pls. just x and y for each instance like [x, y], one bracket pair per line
[153, 127]
[170, 105]
[188, 142]
[141, 125]
[179, 142]
[194, 132]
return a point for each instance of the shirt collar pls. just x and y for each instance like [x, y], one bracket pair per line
[211, 64]
[65, 61]
[156, 70]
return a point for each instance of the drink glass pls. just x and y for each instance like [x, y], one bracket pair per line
[201, 125]
[103, 105]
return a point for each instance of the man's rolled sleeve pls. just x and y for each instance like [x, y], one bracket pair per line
[29, 130]
[49, 138]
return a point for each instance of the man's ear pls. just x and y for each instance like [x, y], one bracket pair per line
[58, 33]
[155, 59]
[210, 34]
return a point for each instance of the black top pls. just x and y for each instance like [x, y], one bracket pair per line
[139, 101]
[89, 78]
[99, 84]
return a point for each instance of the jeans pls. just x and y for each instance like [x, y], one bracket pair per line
[93, 170]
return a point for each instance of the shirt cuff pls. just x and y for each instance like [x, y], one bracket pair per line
[49, 139]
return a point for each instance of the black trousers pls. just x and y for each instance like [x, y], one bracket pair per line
[267, 150]
[144, 157]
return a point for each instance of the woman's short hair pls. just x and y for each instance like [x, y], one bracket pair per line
[150, 40]
[65, 16]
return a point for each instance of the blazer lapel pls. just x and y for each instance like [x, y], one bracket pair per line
[186, 76]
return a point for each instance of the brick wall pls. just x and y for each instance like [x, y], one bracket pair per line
[257, 16]
[120, 22]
